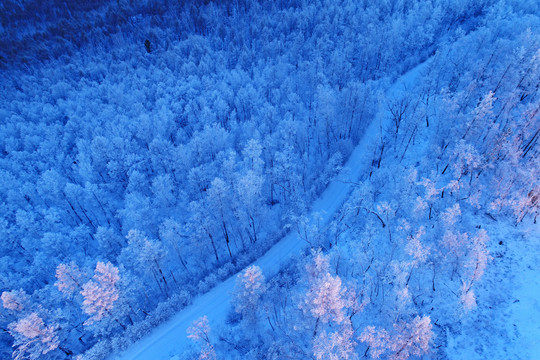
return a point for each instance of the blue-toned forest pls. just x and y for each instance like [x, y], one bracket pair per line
[267, 179]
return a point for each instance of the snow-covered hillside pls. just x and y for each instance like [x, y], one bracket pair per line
[269, 179]
[171, 338]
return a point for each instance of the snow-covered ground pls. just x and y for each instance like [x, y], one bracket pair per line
[524, 316]
[170, 338]
[507, 325]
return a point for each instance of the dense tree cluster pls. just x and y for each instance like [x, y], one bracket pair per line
[404, 259]
[151, 149]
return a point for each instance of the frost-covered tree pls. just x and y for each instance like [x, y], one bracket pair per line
[250, 286]
[336, 345]
[68, 278]
[202, 228]
[145, 256]
[198, 332]
[14, 300]
[33, 339]
[332, 306]
[101, 293]
[475, 267]
[251, 206]
[407, 339]
[171, 234]
[219, 201]
[325, 298]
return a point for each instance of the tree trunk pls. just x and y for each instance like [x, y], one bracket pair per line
[213, 246]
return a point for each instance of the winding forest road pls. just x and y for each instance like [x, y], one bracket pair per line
[170, 338]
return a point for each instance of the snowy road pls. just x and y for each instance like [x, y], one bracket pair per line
[170, 338]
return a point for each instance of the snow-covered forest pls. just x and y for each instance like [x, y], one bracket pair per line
[346, 179]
